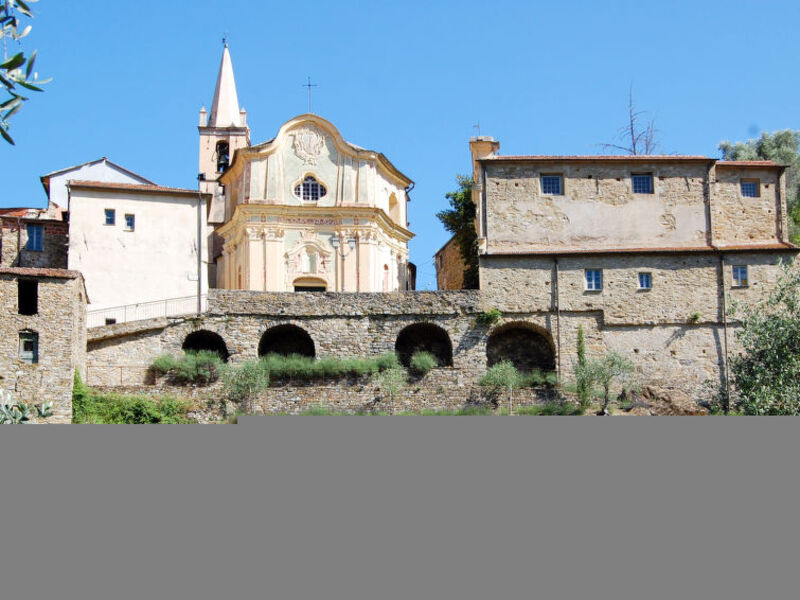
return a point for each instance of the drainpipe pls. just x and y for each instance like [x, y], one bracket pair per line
[726, 364]
[558, 321]
[199, 254]
[19, 242]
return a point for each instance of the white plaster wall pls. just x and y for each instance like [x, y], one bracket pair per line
[101, 171]
[154, 262]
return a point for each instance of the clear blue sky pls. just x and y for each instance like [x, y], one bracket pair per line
[408, 79]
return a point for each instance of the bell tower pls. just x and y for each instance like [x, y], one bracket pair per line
[222, 132]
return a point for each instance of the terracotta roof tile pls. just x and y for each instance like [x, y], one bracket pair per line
[35, 272]
[132, 187]
[748, 163]
[647, 250]
[610, 158]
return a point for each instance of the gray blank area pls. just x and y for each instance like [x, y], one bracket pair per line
[413, 507]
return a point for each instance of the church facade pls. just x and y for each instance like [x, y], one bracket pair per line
[304, 211]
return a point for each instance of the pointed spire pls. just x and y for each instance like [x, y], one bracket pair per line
[225, 108]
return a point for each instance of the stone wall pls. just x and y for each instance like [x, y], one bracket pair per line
[61, 328]
[695, 203]
[450, 267]
[440, 389]
[14, 235]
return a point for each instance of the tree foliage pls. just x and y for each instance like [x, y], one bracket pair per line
[459, 220]
[782, 147]
[16, 71]
[766, 375]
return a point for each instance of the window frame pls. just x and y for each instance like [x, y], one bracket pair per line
[35, 243]
[29, 357]
[112, 212]
[651, 178]
[301, 187]
[753, 180]
[589, 283]
[559, 176]
[649, 275]
[130, 226]
[737, 282]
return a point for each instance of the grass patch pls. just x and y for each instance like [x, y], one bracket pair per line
[308, 369]
[422, 362]
[90, 406]
[550, 408]
[202, 367]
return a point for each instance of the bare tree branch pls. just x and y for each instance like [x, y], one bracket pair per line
[640, 138]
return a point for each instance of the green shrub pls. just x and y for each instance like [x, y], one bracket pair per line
[305, 368]
[203, 367]
[489, 317]
[89, 406]
[550, 408]
[537, 378]
[164, 364]
[422, 362]
[246, 380]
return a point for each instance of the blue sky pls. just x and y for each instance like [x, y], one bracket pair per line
[409, 79]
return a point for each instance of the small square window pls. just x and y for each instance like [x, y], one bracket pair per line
[35, 238]
[130, 222]
[29, 347]
[642, 183]
[110, 321]
[751, 188]
[111, 216]
[594, 280]
[552, 185]
[740, 276]
[645, 281]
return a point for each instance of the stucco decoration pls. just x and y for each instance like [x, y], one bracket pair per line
[308, 143]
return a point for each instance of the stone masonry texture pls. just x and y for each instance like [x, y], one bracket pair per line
[61, 328]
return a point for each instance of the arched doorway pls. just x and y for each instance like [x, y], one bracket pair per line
[424, 337]
[527, 347]
[206, 340]
[286, 340]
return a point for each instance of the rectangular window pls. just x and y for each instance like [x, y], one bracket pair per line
[645, 281]
[29, 347]
[27, 297]
[740, 276]
[642, 183]
[111, 216]
[110, 321]
[553, 185]
[130, 222]
[751, 188]
[35, 238]
[594, 280]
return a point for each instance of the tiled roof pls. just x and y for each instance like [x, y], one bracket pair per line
[33, 272]
[646, 250]
[748, 163]
[15, 212]
[610, 158]
[132, 187]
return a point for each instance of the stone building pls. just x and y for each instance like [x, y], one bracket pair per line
[450, 266]
[32, 237]
[42, 335]
[305, 211]
[643, 251]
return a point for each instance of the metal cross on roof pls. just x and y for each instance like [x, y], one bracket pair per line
[309, 85]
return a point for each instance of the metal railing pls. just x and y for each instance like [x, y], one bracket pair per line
[171, 307]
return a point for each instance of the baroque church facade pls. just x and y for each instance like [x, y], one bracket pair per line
[304, 211]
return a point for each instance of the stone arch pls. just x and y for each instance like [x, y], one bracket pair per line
[525, 345]
[310, 284]
[285, 340]
[424, 337]
[203, 339]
